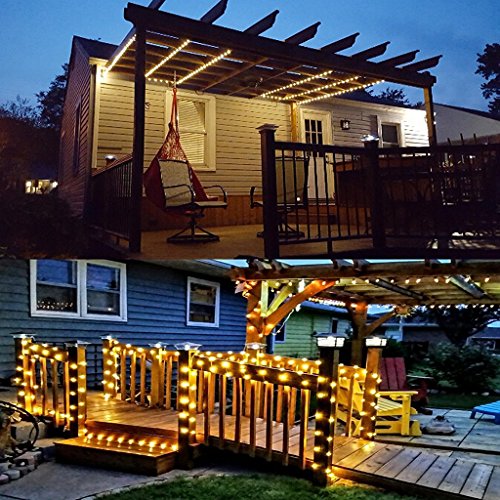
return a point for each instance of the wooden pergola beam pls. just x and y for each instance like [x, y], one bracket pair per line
[372, 52]
[387, 285]
[424, 64]
[401, 59]
[467, 286]
[232, 39]
[215, 12]
[342, 44]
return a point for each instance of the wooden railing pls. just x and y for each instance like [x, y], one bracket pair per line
[52, 382]
[111, 205]
[417, 197]
[141, 375]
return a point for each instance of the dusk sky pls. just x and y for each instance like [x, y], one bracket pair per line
[35, 35]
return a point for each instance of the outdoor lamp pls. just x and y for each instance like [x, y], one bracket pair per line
[345, 124]
[255, 346]
[376, 341]
[370, 138]
[325, 340]
[187, 346]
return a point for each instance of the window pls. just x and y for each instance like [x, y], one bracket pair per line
[279, 332]
[78, 289]
[203, 299]
[390, 135]
[197, 129]
[76, 139]
[335, 325]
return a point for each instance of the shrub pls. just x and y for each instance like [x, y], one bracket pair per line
[468, 368]
[39, 226]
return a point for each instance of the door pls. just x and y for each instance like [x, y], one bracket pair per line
[317, 129]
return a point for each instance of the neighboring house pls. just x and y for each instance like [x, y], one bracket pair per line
[218, 132]
[137, 302]
[489, 338]
[454, 123]
[296, 338]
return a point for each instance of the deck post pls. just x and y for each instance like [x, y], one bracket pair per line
[77, 385]
[372, 380]
[108, 367]
[22, 342]
[374, 182]
[186, 393]
[325, 415]
[138, 145]
[429, 110]
[269, 191]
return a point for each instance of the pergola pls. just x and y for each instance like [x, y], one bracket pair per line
[201, 56]
[274, 289]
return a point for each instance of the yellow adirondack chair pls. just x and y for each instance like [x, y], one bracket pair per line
[394, 407]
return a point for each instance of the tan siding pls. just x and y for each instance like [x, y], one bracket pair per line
[237, 140]
[72, 184]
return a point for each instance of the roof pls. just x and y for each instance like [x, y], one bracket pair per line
[431, 283]
[477, 112]
[489, 333]
[204, 56]
[95, 48]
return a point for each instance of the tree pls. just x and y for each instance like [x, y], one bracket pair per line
[489, 68]
[51, 102]
[395, 96]
[459, 322]
[20, 110]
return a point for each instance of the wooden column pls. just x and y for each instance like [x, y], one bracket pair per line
[359, 315]
[77, 385]
[108, 368]
[374, 183]
[368, 416]
[186, 393]
[138, 145]
[429, 110]
[294, 116]
[269, 191]
[325, 415]
[255, 322]
[22, 343]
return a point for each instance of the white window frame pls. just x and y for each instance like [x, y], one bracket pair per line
[199, 281]
[398, 131]
[210, 126]
[81, 293]
[282, 326]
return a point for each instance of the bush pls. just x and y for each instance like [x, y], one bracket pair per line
[39, 226]
[468, 368]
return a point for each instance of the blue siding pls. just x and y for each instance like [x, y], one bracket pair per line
[156, 299]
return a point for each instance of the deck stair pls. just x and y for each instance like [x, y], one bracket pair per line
[128, 448]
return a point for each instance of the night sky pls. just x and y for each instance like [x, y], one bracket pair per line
[35, 35]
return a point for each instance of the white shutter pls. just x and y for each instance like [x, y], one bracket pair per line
[192, 128]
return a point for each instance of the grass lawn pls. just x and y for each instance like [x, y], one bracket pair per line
[252, 487]
[460, 401]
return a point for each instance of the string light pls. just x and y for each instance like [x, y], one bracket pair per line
[213, 61]
[318, 89]
[169, 56]
[119, 55]
[299, 82]
[340, 92]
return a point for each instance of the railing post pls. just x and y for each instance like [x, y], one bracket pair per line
[156, 375]
[325, 414]
[186, 393]
[77, 385]
[374, 182]
[108, 367]
[372, 380]
[269, 191]
[22, 343]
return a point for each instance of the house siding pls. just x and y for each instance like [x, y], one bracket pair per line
[72, 183]
[156, 298]
[299, 340]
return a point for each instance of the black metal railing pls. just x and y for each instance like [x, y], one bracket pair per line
[429, 198]
[111, 199]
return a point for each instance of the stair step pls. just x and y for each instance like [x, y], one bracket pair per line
[97, 426]
[118, 456]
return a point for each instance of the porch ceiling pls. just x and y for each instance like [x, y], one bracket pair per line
[401, 283]
[205, 57]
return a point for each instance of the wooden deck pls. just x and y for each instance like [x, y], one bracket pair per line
[397, 467]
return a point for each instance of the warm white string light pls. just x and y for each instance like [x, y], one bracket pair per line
[300, 82]
[333, 94]
[323, 87]
[205, 66]
[169, 56]
[119, 55]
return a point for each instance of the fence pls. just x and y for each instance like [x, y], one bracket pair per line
[52, 382]
[428, 197]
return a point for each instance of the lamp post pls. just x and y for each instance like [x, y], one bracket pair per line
[329, 346]
[374, 344]
[254, 350]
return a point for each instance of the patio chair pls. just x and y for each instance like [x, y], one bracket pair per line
[180, 195]
[395, 378]
[394, 407]
[291, 187]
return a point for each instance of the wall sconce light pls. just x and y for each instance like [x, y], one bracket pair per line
[109, 159]
[345, 124]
